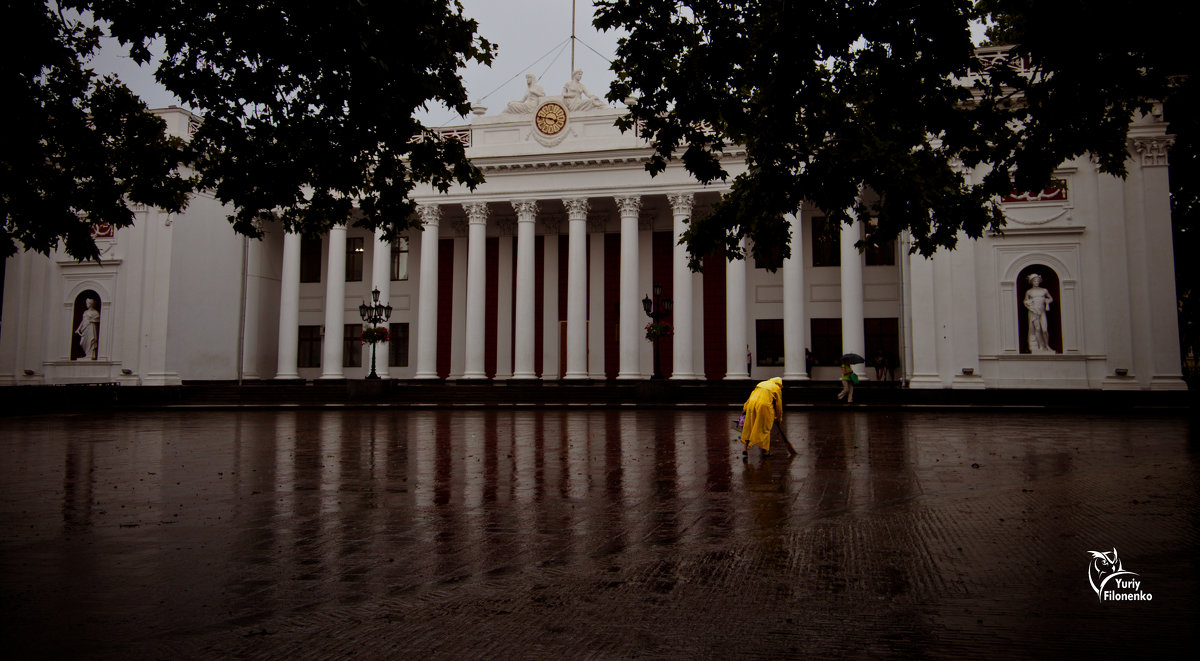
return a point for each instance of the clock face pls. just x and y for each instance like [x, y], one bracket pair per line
[550, 118]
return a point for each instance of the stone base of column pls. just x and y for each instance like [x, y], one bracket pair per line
[1119, 383]
[1168, 383]
[472, 375]
[737, 377]
[287, 377]
[527, 376]
[576, 375]
[968, 382]
[926, 382]
[685, 377]
[333, 377]
[426, 375]
[626, 376]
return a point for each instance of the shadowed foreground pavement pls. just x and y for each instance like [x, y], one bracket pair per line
[603, 534]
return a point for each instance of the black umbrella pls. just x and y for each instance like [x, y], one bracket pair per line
[852, 358]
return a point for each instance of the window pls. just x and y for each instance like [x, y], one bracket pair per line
[352, 345]
[768, 336]
[826, 242]
[826, 341]
[310, 347]
[400, 259]
[310, 260]
[882, 337]
[884, 255]
[398, 345]
[354, 260]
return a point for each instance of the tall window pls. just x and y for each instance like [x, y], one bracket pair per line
[309, 353]
[310, 259]
[826, 248]
[400, 259]
[352, 345]
[884, 255]
[826, 341]
[768, 336]
[354, 260]
[398, 345]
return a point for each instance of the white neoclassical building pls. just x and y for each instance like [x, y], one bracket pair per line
[541, 272]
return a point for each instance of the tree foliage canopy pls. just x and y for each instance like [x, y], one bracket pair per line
[307, 111]
[882, 109]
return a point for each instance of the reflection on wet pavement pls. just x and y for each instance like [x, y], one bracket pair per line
[591, 533]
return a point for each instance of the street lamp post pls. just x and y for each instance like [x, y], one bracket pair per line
[373, 314]
[657, 309]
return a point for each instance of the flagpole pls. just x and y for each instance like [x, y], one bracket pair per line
[572, 37]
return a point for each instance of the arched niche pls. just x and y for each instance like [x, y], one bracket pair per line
[1051, 283]
[85, 326]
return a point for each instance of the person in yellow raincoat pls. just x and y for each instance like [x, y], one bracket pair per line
[763, 410]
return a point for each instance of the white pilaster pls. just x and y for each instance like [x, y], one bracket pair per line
[596, 310]
[683, 284]
[735, 318]
[794, 296]
[381, 279]
[427, 293]
[476, 270]
[923, 313]
[523, 341]
[631, 307]
[335, 305]
[577, 210]
[853, 331]
[289, 309]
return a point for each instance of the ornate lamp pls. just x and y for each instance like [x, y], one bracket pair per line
[374, 314]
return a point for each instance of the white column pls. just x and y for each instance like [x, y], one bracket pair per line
[794, 296]
[596, 310]
[381, 279]
[523, 340]
[577, 210]
[682, 283]
[853, 333]
[476, 301]
[631, 307]
[289, 309]
[335, 305]
[427, 294]
[735, 318]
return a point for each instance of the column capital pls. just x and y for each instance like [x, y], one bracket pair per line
[477, 212]
[1154, 151]
[430, 214]
[577, 207]
[629, 205]
[682, 203]
[526, 209]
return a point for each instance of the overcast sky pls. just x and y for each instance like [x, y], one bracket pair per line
[533, 37]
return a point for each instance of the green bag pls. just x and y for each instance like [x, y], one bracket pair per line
[854, 378]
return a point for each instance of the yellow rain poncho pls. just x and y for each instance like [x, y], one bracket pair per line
[763, 410]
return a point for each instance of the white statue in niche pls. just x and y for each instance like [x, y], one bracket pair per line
[1037, 302]
[533, 96]
[89, 329]
[577, 97]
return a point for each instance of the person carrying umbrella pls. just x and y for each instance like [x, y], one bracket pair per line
[763, 411]
[849, 378]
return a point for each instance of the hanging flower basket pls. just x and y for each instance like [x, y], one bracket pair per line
[657, 329]
[374, 334]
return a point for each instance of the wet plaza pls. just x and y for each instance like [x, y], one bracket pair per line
[595, 534]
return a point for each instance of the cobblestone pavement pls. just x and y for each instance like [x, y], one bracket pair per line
[594, 534]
